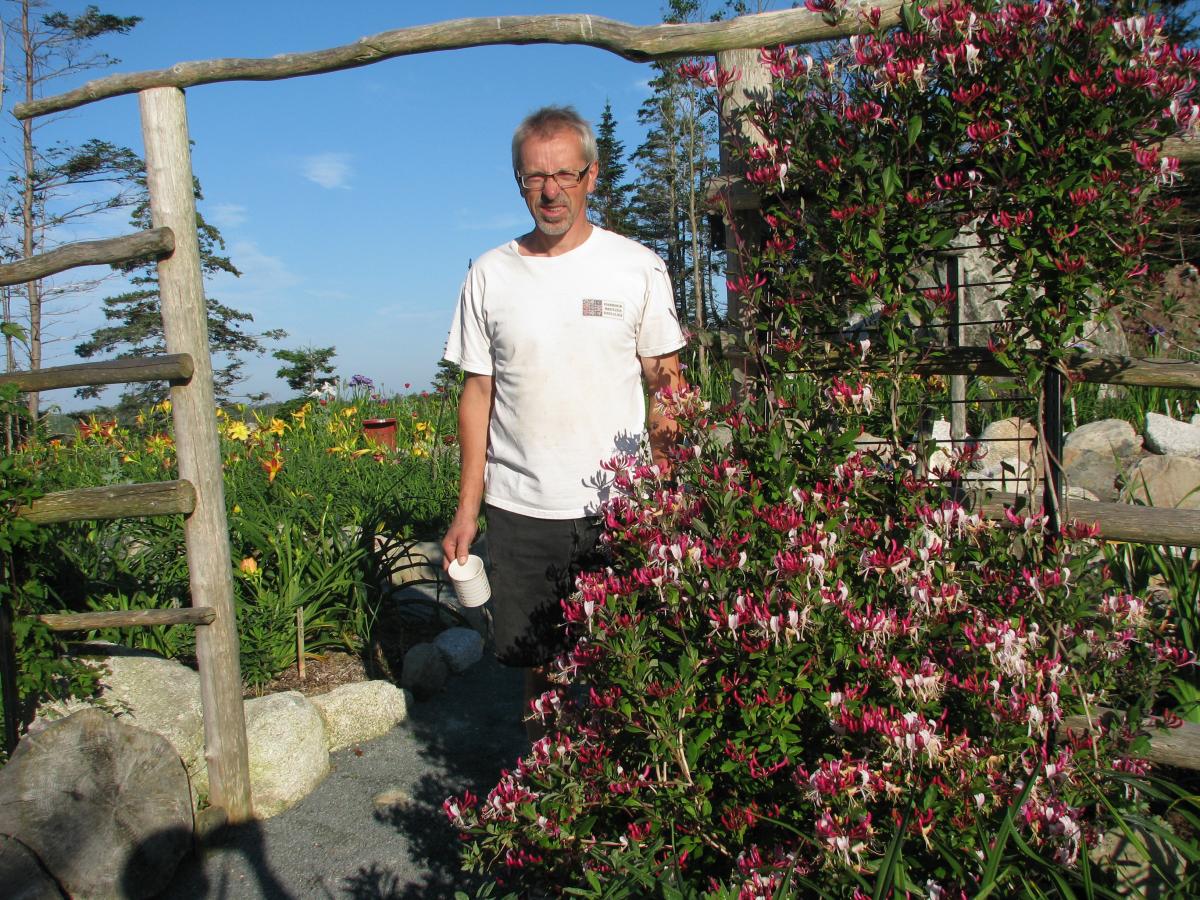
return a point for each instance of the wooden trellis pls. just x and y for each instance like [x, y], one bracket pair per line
[199, 492]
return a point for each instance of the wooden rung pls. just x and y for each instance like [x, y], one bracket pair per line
[1117, 521]
[1179, 747]
[1094, 367]
[155, 242]
[173, 367]
[127, 618]
[160, 498]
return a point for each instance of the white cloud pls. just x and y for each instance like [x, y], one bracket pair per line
[227, 215]
[265, 279]
[329, 170]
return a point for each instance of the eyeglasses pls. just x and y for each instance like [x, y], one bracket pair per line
[535, 181]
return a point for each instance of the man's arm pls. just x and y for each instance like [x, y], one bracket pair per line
[474, 413]
[659, 372]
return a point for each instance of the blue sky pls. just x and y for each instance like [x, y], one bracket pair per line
[352, 202]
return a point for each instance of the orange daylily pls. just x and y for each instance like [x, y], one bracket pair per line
[273, 466]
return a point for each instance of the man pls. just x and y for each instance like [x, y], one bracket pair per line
[557, 332]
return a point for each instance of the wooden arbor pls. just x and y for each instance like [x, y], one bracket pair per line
[199, 494]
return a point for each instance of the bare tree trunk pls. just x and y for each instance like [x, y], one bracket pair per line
[674, 256]
[28, 222]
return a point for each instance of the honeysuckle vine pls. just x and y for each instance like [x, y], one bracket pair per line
[811, 668]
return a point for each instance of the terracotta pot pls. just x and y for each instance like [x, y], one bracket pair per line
[381, 432]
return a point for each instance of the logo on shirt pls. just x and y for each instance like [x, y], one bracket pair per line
[607, 309]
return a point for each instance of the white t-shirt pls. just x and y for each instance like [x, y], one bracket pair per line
[561, 337]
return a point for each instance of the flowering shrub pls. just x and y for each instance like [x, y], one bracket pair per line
[813, 670]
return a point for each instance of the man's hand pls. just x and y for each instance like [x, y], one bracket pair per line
[459, 537]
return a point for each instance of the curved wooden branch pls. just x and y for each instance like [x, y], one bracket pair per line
[636, 43]
[155, 242]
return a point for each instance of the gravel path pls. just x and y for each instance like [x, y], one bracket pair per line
[345, 840]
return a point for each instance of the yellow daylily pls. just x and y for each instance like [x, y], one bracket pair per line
[421, 427]
[277, 426]
[349, 412]
[237, 431]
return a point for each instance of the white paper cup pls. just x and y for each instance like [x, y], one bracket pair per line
[470, 581]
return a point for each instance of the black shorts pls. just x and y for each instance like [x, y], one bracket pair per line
[534, 563]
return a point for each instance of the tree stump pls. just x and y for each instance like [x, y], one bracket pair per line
[105, 806]
[22, 874]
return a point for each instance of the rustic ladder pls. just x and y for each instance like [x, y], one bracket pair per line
[199, 494]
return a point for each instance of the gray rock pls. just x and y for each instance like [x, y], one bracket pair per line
[1080, 493]
[1170, 481]
[1094, 454]
[104, 806]
[288, 755]
[358, 712]
[1007, 475]
[1148, 866]
[22, 873]
[1172, 437]
[939, 431]
[1115, 436]
[146, 690]
[287, 749]
[1011, 438]
[425, 671]
[392, 800]
[462, 647]
[409, 561]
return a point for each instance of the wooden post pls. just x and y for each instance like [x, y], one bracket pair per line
[958, 383]
[746, 232]
[185, 326]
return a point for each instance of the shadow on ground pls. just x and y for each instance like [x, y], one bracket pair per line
[375, 829]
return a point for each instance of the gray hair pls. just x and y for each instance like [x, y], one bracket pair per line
[549, 120]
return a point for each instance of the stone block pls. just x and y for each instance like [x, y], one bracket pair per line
[358, 712]
[462, 647]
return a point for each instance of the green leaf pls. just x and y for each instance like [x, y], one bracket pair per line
[885, 877]
[875, 240]
[915, 124]
[942, 238]
[1007, 828]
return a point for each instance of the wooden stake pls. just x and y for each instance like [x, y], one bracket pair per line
[300, 641]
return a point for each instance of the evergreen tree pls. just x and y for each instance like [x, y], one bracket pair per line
[306, 367]
[137, 318]
[609, 204]
[675, 163]
[46, 183]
